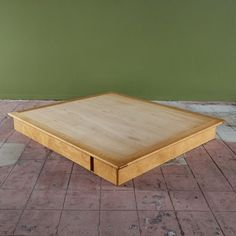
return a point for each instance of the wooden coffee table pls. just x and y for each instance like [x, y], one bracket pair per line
[115, 136]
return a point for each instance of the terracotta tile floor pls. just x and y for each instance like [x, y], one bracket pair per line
[42, 193]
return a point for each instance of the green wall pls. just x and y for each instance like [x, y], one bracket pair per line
[157, 49]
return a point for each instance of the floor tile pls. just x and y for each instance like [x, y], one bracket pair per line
[76, 223]
[24, 181]
[230, 174]
[4, 172]
[206, 172]
[34, 145]
[13, 199]
[179, 178]
[119, 223]
[8, 221]
[82, 200]
[85, 182]
[224, 108]
[175, 170]
[153, 200]
[213, 182]
[228, 117]
[171, 103]
[57, 157]
[10, 153]
[224, 158]
[117, 200]
[128, 186]
[226, 133]
[23, 105]
[24, 175]
[155, 223]
[17, 137]
[27, 167]
[34, 153]
[198, 223]
[152, 180]
[227, 221]
[54, 181]
[188, 201]
[38, 222]
[79, 170]
[2, 117]
[46, 102]
[217, 145]
[232, 145]
[181, 182]
[46, 199]
[220, 152]
[202, 108]
[55, 166]
[221, 201]
[177, 161]
[6, 129]
[8, 106]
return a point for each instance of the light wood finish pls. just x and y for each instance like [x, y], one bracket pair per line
[106, 171]
[163, 155]
[53, 143]
[121, 137]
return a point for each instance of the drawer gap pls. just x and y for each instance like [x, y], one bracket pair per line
[91, 163]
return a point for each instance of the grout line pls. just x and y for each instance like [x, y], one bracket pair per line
[67, 187]
[136, 207]
[47, 155]
[226, 144]
[212, 212]
[3, 118]
[175, 212]
[8, 174]
[99, 214]
[219, 170]
[15, 107]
